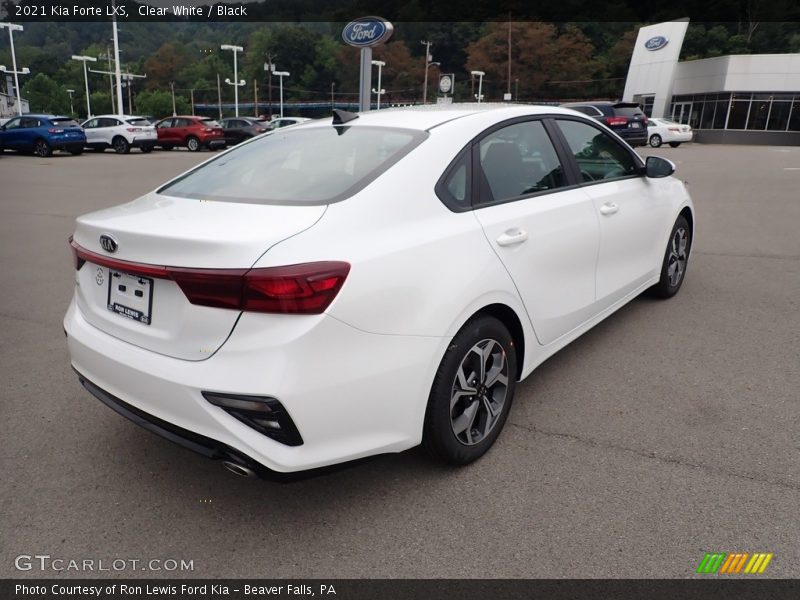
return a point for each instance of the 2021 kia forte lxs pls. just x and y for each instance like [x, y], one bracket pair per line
[364, 284]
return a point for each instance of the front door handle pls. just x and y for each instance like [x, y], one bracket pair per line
[609, 208]
[512, 236]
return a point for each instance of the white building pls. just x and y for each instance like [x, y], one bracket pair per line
[750, 99]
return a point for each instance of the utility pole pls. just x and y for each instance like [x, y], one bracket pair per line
[255, 97]
[107, 56]
[191, 96]
[116, 57]
[509, 55]
[219, 97]
[427, 44]
[333, 87]
[172, 88]
[11, 29]
[269, 67]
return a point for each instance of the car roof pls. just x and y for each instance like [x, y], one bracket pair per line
[116, 116]
[427, 117]
[42, 116]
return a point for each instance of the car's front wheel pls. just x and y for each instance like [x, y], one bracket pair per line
[655, 140]
[146, 149]
[121, 145]
[676, 259]
[472, 392]
[674, 144]
[193, 144]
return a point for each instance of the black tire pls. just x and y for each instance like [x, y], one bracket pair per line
[76, 151]
[99, 149]
[42, 149]
[676, 260]
[481, 411]
[192, 143]
[120, 145]
[146, 149]
[674, 144]
[167, 147]
[655, 141]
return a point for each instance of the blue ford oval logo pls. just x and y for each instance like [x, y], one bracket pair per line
[108, 243]
[656, 43]
[369, 31]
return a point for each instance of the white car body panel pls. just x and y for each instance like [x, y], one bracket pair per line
[135, 135]
[356, 378]
[666, 129]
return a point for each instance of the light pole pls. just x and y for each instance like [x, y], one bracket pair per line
[281, 75]
[117, 66]
[84, 60]
[11, 29]
[380, 64]
[480, 75]
[235, 50]
[71, 109]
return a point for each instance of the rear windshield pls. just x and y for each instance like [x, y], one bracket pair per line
[303, 166]
[139, 122]
[628, 111]
[65, 122]
[210, 123]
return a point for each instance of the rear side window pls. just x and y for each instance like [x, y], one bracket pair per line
[304, 166]
[139, 122]
[519, 160]
[65, 122]
[210, 123]
[587, 110]
[626, 111]
[598, 155]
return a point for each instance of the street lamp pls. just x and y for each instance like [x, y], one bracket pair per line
[380, 64]
[86, 59]
[71, 109]
[480, 75]
[11, 29]
[281, 75]
[238, 82]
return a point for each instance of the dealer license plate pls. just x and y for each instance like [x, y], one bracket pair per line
[130, 296]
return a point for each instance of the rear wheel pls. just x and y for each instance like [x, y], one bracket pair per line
[674, 144]
[676, 259]
[167, 147]
[42, 148]
[99, 148]
[192, 143]
[655, 140]
[121, 145]
[146, 149]
[76, 151]
[472, 392]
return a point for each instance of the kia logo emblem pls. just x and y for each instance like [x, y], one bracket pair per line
[656, 43]
[108, 243]
[369, 31]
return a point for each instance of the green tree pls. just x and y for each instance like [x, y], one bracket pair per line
[159, 104]
[45, 95]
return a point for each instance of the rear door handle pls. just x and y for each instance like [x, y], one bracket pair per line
[512, 236]
[609, 208]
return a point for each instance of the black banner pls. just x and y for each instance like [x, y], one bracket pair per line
[401, 589]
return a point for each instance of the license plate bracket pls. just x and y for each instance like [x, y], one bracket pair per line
[130, 296]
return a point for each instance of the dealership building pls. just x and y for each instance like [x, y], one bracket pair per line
[742, 99]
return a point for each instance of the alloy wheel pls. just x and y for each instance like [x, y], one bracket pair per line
[42, 149]
[676, 263]
[479, 392]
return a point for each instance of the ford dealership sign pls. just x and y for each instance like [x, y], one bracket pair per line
[366, 32]
[656, 43]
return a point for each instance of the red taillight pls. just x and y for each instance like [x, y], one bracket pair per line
[132, 129]
[673, 128]
[55, 131]
[207, 129]
[296, 289]
[616, 120]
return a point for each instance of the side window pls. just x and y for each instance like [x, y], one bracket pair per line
[28, 122]
[183, 123]
[455, 185]
[14, 123]
[91, 124]
[519, 160]
[165, 123]
[598, 155]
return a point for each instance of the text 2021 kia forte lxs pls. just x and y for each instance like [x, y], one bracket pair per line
[365, 284]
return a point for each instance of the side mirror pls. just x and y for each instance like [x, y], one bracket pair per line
[656, 167]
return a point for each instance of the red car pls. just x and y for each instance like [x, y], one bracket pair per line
[192, 132]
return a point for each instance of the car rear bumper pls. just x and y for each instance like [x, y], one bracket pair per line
[351, 394]
[138, 142]
[215, 142]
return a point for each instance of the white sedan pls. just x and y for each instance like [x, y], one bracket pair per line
[365, 284]
[664, 131]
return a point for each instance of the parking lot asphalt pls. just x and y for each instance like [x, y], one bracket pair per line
[668, 431]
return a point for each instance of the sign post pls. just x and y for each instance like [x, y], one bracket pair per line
[364, 34]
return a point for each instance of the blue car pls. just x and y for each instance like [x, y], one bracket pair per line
[41, 134]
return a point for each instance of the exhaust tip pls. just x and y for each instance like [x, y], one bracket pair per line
[238, 469]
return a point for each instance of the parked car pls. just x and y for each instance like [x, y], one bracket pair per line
[286, 122]
[365, 284]
[192, 132]
[626, 119]
[42, 134]
[662, 131]
[238, 129]
[120, 132]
